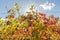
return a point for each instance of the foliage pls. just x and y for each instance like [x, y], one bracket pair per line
[34, 26]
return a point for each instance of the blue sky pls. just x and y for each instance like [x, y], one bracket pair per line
[25, 4]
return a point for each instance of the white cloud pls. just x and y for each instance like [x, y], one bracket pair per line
[47, 6]
[3, 19]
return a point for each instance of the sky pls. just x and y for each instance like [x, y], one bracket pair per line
[48, 7]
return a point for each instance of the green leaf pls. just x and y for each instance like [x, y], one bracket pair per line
[35, 33]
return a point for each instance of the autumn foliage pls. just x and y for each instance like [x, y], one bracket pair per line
[33, 26]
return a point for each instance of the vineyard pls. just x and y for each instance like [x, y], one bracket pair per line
[33, 26]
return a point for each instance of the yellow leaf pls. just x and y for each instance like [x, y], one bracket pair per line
[32, 7]
[16, 6]
[0, 29]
